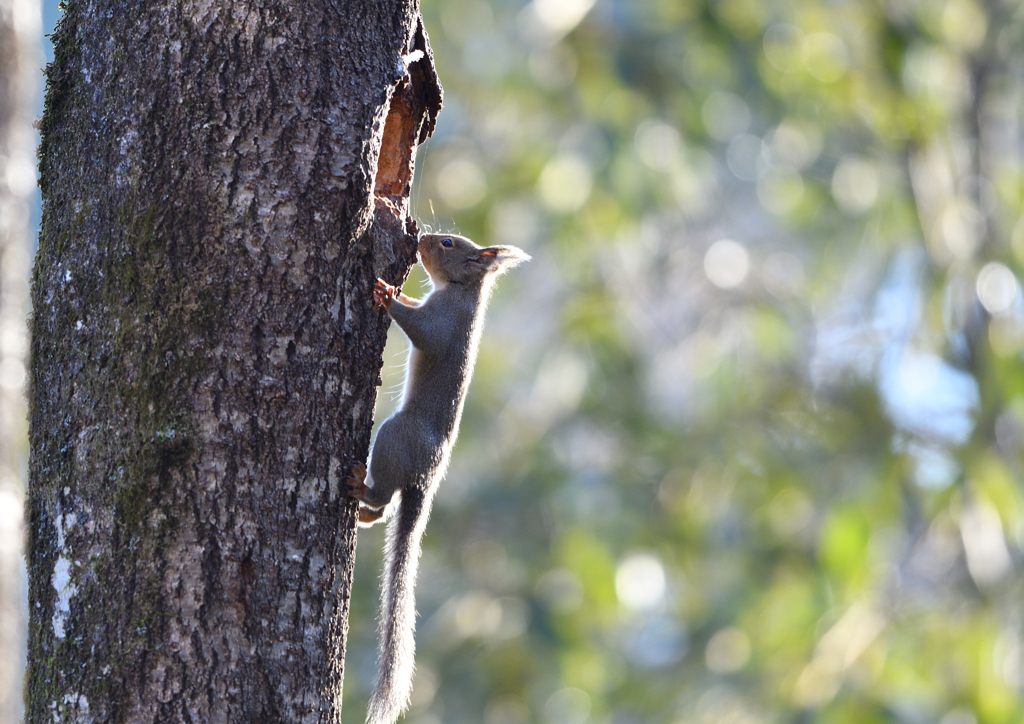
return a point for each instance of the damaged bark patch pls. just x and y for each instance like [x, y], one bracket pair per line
[411, 116]
[397, 158]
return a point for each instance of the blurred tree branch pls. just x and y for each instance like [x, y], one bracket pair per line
[19, 57]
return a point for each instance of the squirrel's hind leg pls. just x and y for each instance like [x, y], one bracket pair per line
[369, 516]
[371, 509]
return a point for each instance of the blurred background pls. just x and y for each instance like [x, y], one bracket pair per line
[744, 444]
[745, 439]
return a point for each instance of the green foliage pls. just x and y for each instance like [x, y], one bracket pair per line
[771, 480]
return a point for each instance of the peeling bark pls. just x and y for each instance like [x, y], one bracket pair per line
[205, 350]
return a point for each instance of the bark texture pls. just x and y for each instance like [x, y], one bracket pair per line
[205, 351]
[19, 60]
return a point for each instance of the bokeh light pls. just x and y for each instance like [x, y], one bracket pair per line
[726, 263]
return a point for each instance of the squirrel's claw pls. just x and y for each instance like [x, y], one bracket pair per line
[355, 484]
[383, 293]
[356, 487]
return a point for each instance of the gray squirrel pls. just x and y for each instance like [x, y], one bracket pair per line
[411, 452]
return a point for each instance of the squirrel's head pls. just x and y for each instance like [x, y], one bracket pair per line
[449, 258]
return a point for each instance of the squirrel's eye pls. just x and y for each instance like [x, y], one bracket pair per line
[446, 242]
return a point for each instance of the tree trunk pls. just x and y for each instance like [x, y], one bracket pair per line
[222, 182]
[19, 46]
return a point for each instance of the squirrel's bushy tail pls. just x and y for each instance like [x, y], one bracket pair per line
[398, 610]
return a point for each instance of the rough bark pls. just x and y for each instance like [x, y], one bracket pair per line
[205, 351]
[19, 53]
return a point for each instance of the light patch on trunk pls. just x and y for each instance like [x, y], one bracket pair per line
[61, 579]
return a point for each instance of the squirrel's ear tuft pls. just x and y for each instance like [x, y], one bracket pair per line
[506, 256]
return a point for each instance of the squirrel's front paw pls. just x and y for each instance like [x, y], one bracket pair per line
[383, 293]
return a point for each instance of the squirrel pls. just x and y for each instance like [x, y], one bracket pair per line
[411, 452]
